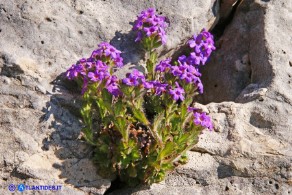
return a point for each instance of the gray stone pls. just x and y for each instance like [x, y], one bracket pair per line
[40, 120]
[247, 92]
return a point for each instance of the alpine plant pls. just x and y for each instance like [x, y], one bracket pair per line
[142, 125]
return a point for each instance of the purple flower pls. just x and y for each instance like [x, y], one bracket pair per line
[192, 109]
[100, 72]
[190, 78]
[196, 57]
[97, 54]
[134, 78]
[196, 42]
[84, 86]
[148, 24]
[106, 50]
[138, 74]
[186, 72]
[112, 86]
[162, 36]
[111, 51]
[177, 93]
[93, 76]
[119, 61]
[194, 71]
[82, 61]
[201, 118]
[154, 20]
[182, 59]
[200, 86]
[150, 30]
[74, 71]
[176, 71]
[89, 65]
[96, 76]
[203, 45]
[163, 65]
[139, 36]
[148, 84]
[159, 87]
[131, 81]
[100, 66]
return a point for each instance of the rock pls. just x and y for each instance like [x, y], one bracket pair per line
[40, 119]
[38, 166]
[247, 85]
[251, 92]
[82, 174]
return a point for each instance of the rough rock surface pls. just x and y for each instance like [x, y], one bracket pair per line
[40, 122]
[247, 91]
[249, 78]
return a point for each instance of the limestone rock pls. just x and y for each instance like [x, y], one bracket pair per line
[247, 92]
[40, 120]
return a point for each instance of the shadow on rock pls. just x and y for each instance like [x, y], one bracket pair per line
[63, 117]
[132, 52]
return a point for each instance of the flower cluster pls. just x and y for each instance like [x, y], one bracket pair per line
[97, 68]
[74, 71]
[188, 66]
[137, 78]
[177, 93]
[107, 52]
[203, 45]
[149, 24]
[160, 87]
[184, 71]
[163, 66]
[201, 118]
[146, 122]
[99, 72]
[112, 86]
[134, 79]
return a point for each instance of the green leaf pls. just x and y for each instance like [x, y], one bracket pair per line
[101, 108]
[125, 160]
[157, 123]
[119, 108]
[153, 57]
[132, 172]
[183, 159]
[107, 100]
[183, 110]
[87, 134]
[140, 115]
[186, 120]
[167, 166]
[86, 113]
[175, 122]
[121, 123]
[127, 90]
[183, 139]
[156, 43]
[103, 148]
[136, 154]
[168, 149]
